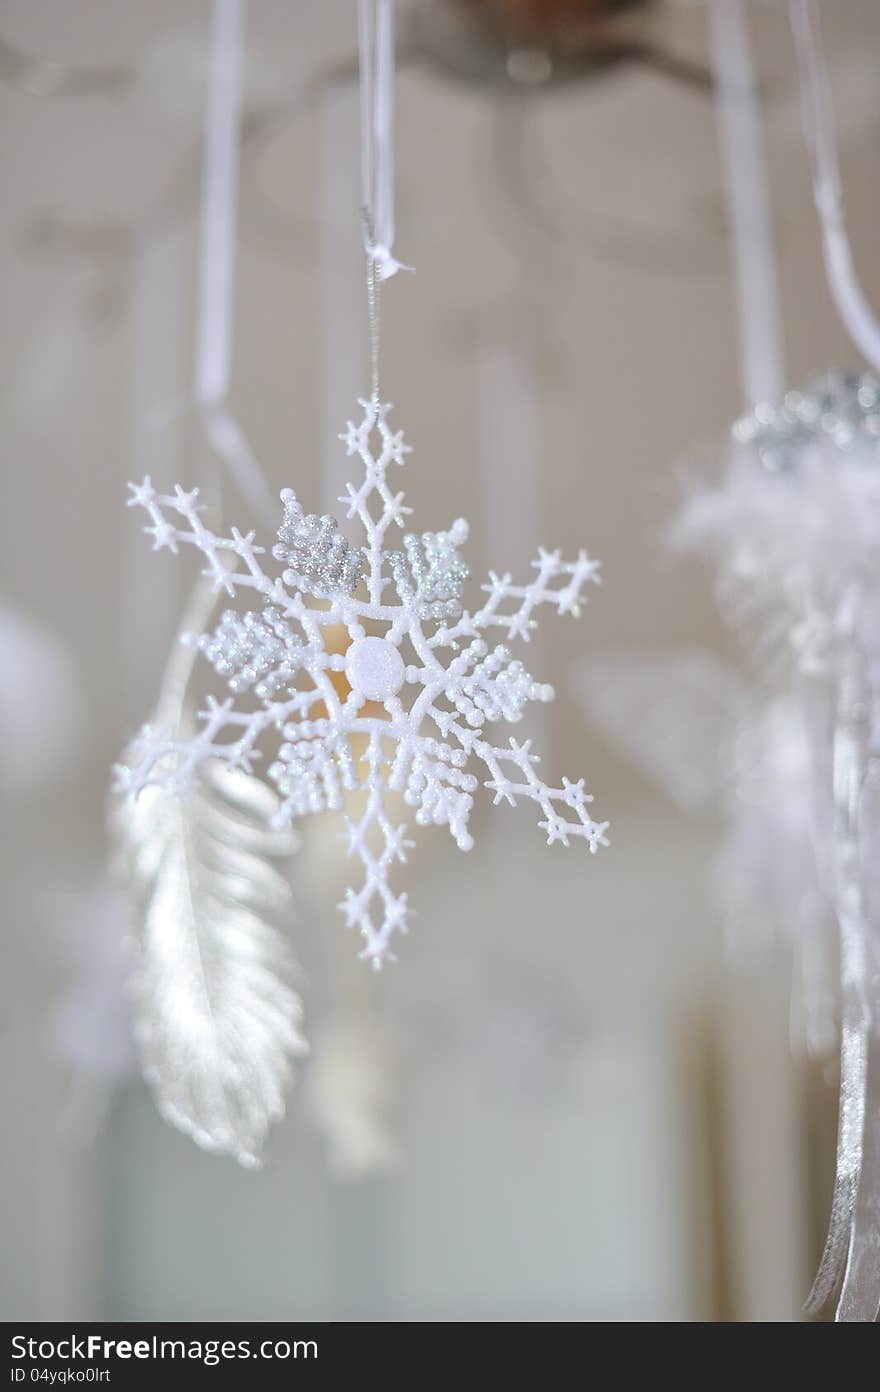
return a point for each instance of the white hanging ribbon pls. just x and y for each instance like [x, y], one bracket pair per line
[219, 200]
[216, 292]
[150, 593]
[748, 201]
[376, 52]
[340, 282]
[821, 137]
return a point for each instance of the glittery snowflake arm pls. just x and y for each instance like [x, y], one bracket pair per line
[487, 685]
[566, 598]
[243, 649]
[570, 797]
[393, 450]
[378, 844]
[222, 553]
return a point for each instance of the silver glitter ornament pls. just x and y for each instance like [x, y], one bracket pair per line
[838, 409]
[319, 557]
[430, 573]
[252, 650]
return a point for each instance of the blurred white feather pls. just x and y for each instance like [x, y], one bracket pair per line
[792, 524]
[217, 1015]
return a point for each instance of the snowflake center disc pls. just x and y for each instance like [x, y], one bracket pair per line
[375, 668]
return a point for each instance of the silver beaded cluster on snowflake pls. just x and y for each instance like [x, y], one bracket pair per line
[430, 573]
[837, 408]
[319, 557]
[252, 650]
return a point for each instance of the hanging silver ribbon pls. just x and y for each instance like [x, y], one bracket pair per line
[762, 369]
[860, 1295]
[849, 1239]
[821, 139]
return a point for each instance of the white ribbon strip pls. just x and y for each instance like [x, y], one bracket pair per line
[219, 203]
[340, 281]
[821, 137]
[151, 592]
[376, 51]
[748, 201]
[216, 294]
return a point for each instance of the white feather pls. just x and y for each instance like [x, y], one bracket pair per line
[789, 546]
[217, 1016]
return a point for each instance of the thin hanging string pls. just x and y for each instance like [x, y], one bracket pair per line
[509, 421]
[376, 55]
[821, 137]
[748, 200]
[373, 326]
[216, 292]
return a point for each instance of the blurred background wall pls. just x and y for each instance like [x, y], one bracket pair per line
[595, 1115]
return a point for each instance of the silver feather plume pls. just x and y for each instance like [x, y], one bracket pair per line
[217, 1015]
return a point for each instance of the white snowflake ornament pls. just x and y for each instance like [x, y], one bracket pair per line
[424, 679]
